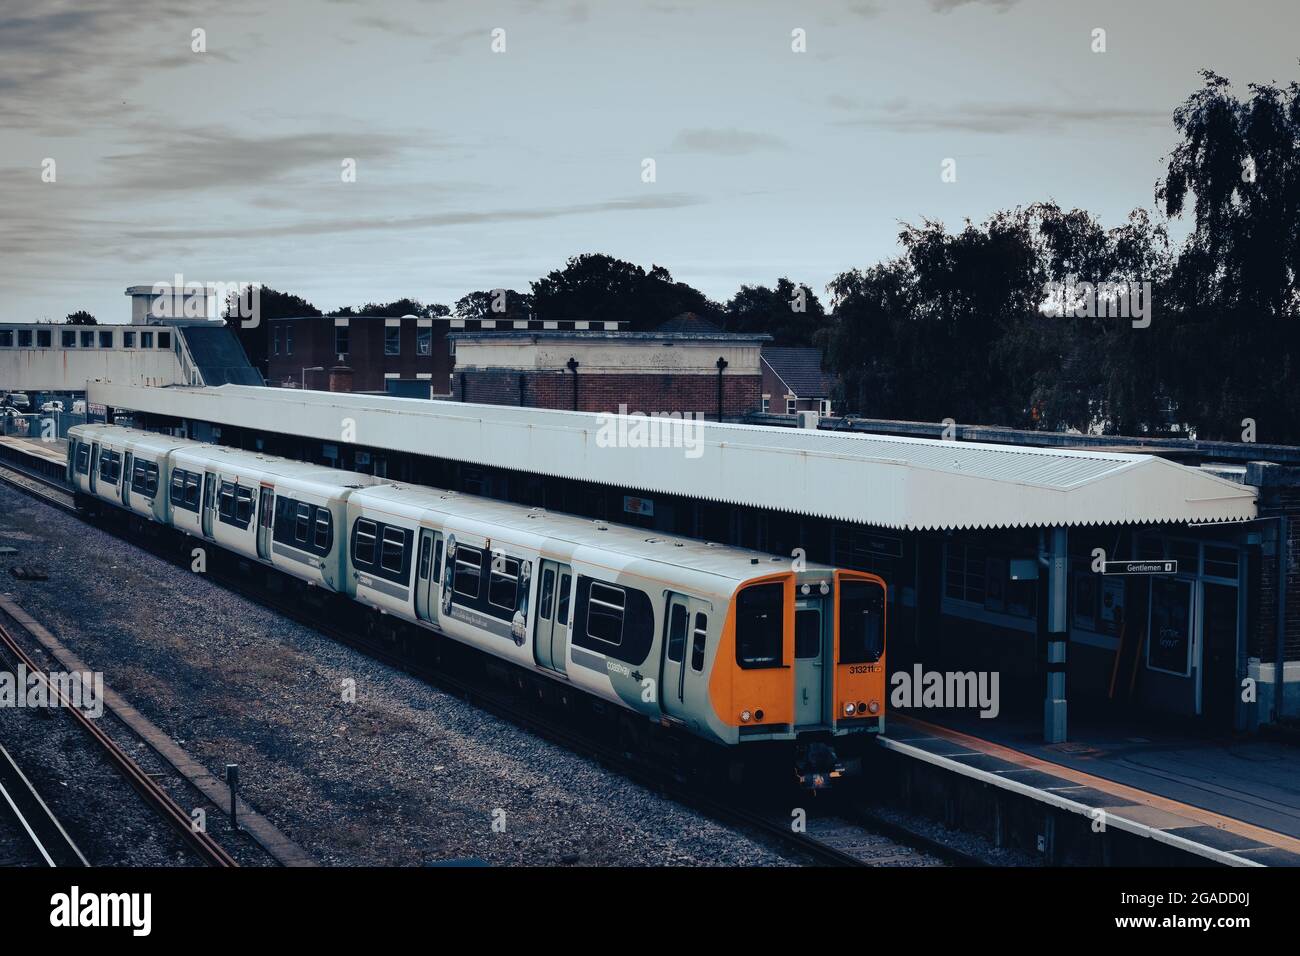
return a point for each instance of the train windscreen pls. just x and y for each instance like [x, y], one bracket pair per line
[760, 626]
[862, 622]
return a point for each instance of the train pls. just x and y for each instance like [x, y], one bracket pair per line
[732, 647]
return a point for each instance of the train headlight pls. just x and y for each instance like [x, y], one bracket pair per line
[744, 716]
[825, 588]
[850, 710]
[873, 707]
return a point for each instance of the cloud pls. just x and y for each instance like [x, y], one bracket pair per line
[424, 221]
[900, 115]
[212, 156]
[948, 6]
[725, 142]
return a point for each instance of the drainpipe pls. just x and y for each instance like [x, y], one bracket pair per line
[721, 365]
[572, 365]
[1279, 656]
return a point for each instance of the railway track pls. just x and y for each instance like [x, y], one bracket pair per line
[35, 837]
[855, 837]
[208, 849]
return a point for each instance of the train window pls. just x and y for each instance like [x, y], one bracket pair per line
[393, 554]
[437, 562]
[243, 506]
[363, 549]
[605, 613]
[426, 552]
[469, 571]
[110, 466]
[677, 618]
[144, 479]
[302, 523]
[226, 501]
[562, 612]
[862, 622]
[503, 582]
[699, 638]
[83, 459]
[193, 481]
[760, 626]
[807, 633]
[324, 530]
[548, 593]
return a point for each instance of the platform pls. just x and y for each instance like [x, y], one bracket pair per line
[1230, 801]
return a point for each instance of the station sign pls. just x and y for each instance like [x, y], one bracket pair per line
[639, 506]
[1140, 567]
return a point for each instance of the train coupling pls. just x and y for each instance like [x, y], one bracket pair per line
[816, 765]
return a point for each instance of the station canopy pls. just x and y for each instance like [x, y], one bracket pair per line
[887, 482]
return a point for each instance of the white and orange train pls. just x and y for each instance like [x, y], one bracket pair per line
[730, 645]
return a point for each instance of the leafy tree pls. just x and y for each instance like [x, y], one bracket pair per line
[598, 287]
[791, 314]
[81, 317]
[397, 309]
[483, 305]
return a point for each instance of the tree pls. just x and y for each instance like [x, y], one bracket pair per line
[397, 308]
[597, 287]
[81, 317]
[495, 304]
[1233, 296]
[791, 314]
[272, 304]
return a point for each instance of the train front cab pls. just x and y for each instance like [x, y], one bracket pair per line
[806, 656]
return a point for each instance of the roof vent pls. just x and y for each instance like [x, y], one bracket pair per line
[654, 540]
[600, 525]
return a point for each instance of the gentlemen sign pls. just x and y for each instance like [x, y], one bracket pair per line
[1140, 567]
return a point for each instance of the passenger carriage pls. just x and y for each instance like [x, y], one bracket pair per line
[730, 645]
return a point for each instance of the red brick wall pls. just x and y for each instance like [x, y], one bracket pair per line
[603, 392]
[1279, 495]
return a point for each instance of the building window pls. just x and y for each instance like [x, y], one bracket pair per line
[789, 404]
[146, 340]
[393, 340]
[826, 407]
[6, 338]
[275, 341]
[69, 339]
[128, 340]
[87, 340]
[288, 340]
[105, 340]
[341, 340]
[43, 338]
[767, 403]
[424, 341]
[164, 340]
[965, 576]
[24, 338]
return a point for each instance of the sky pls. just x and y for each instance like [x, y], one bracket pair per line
[478, 168]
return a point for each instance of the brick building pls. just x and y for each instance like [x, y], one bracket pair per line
[794, 381]
[684, 366]
[408, 355]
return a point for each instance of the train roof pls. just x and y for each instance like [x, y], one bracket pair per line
[640, 543]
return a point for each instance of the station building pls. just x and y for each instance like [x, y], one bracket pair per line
[989, 542]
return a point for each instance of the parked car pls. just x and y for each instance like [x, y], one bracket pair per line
[18, 400]
[54, 405]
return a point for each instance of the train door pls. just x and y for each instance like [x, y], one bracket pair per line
[209, 501]
[551, 632]
[265, 521]
[811, 646]
[94, 465]
[128, 462]
[424, 575]
[672, 681]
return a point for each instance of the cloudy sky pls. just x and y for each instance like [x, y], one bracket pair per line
[477, 169]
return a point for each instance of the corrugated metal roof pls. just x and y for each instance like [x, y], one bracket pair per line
[889, 482]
